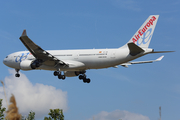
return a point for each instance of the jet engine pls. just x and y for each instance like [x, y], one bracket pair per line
[26, 65]
[29, 64]
[71, 73]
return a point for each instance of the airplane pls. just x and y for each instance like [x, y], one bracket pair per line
[70, 63]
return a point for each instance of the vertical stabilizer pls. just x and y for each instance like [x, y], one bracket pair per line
[144, 34]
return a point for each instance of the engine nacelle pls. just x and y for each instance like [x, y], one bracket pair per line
[26, 65]
[71, 73]
[29, 64]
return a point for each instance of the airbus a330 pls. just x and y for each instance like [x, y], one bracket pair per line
[70, 63]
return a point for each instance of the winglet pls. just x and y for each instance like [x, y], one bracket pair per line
[24, 33]
[160, 58]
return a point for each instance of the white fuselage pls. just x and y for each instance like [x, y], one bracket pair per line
[76, 59]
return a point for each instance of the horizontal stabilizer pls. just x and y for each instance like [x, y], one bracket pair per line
[161, 51]
[134, 49]
[140, 62]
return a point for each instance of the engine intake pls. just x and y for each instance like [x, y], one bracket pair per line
[35, 64]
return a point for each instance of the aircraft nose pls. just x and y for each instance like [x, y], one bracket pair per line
[5, 61]
[10, 62]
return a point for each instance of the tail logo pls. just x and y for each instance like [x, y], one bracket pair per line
[142, 31]
[146, 37]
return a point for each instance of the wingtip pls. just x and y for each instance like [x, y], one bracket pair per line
[24, 33]
[160, 58]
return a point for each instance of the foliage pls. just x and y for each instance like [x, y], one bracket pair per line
[2, 110]
[55, 114]
[31, 116]
[47, 118]
[23, 118]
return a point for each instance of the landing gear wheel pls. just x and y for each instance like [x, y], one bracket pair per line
[56, 73]
[84, 80]
[60, 76]
[63, 77]
[88, 80]
[81, 77]
[17, 75]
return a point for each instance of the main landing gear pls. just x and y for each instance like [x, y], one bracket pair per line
[58, 73]
[82, 76]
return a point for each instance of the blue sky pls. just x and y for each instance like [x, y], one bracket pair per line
[127, 93]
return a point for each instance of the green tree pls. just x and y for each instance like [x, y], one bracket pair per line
[47, 118]
[31, 116]
[23, 118]
[2, 110]
[56, 114]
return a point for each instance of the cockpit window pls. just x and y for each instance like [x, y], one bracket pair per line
[6, 56]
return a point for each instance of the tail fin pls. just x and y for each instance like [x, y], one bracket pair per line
[144, 34]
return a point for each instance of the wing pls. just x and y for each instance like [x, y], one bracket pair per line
[40, 54]
[140, 62]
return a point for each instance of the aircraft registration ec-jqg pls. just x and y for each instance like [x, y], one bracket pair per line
[70, 63]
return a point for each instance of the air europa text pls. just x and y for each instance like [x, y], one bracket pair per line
[141, 31]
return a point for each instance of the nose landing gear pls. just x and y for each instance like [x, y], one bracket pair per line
[17, 74]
